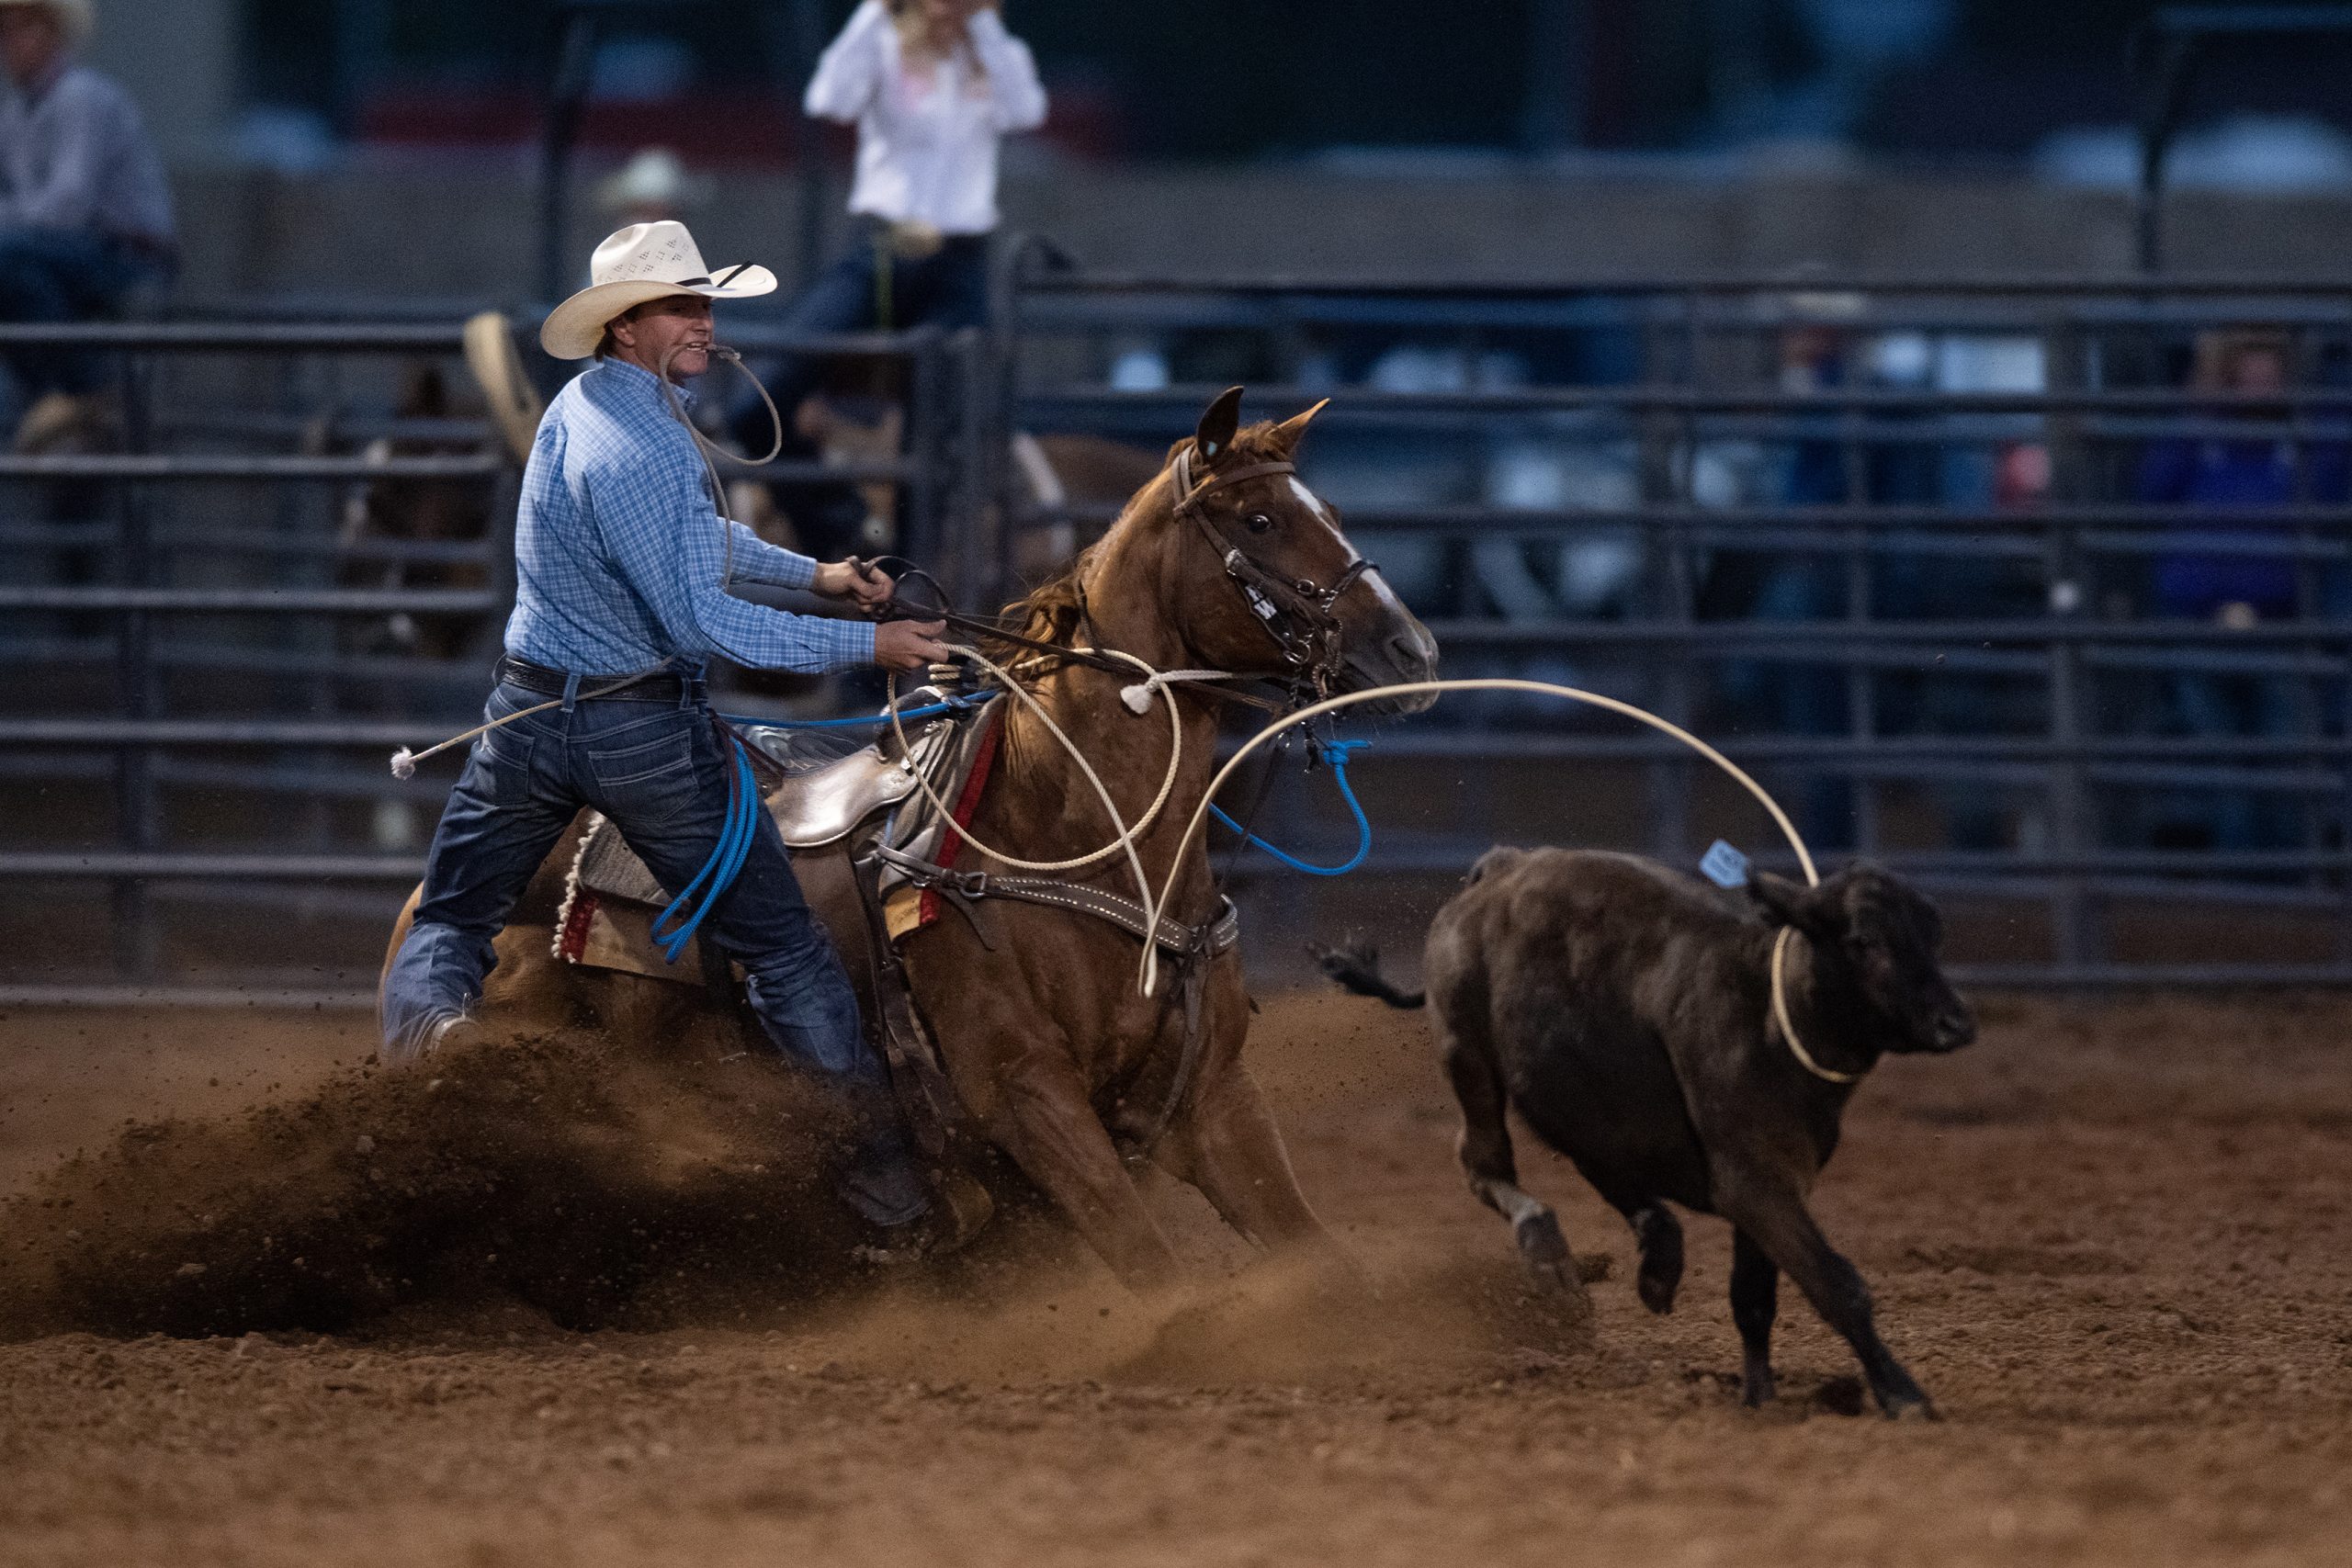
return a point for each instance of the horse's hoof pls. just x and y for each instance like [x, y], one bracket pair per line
[964, 1210]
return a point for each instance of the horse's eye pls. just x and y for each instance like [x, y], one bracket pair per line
[1259, 522]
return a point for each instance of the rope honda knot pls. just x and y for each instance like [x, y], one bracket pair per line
[1138, 696]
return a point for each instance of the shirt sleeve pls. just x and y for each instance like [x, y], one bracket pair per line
[1016, 99]
[68, 197]
[665, 540]
[756, 560]
[850, 70]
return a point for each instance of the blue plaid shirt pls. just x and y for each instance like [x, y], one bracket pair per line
[618, 552]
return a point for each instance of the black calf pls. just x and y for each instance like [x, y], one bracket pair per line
[1626, 1012]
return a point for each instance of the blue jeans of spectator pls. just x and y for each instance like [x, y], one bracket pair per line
[2214, 705]
[949, 290]
[656, 770]
[62, 275]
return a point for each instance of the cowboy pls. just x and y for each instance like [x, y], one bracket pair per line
[622, 565]
[85, 219]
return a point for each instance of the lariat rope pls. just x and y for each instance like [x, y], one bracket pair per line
[1125, 839]
[1147, 971]
[705, 449]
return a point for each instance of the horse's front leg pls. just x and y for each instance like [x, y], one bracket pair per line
[1227, 1145]
[1041, 1115]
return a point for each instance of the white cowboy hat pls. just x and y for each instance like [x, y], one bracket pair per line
[76, 18]
[642, 262]
[655, 179]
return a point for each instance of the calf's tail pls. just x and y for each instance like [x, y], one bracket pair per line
[1356, 968]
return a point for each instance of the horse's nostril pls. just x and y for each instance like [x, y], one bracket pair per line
[1410, 654]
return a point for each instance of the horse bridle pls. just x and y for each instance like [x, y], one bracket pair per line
[1297, 613]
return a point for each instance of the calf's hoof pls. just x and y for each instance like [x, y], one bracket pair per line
[1911, 1406]
[1537, 1234]
[1546, 1251]
[1660, 1275]
[1758, 1389]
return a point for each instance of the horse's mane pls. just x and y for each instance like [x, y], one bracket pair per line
[1051, 611]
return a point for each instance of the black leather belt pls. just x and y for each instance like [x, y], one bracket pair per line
[663, 687]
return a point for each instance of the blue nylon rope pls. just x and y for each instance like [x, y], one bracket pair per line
[742, 825]
[1335, 752]
[951, 705]
[735, 835]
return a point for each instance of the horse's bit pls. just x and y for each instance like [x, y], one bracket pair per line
[1296, 613]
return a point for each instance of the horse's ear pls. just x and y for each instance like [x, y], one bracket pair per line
[1286, 434]
[1218, 423]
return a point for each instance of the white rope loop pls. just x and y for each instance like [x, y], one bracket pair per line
[1788, 1025]
[1142, 823]
[1147, 972]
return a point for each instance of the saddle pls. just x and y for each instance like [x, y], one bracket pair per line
[818, 788]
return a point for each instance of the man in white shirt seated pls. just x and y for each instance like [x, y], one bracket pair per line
[932, 87]
[85, 219]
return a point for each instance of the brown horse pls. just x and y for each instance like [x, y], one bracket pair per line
[1054, 1053]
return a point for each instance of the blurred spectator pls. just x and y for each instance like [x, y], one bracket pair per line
[931, 85]
[1796, 695]
[2232, 476]
[86, 220]
[654, 186]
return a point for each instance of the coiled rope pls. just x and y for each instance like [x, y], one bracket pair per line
[738, 829]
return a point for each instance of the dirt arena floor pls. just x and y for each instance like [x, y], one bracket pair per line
[2112, 1240]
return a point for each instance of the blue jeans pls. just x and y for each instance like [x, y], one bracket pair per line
[64, 274]
[656, 770]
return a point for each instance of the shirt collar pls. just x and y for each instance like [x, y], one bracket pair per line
[627, 370]
[50, 78]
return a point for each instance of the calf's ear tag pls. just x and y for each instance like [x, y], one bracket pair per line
[1723, 866]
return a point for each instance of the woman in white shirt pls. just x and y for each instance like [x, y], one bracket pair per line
[931, 85]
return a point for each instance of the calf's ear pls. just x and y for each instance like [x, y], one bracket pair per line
[1812, 911]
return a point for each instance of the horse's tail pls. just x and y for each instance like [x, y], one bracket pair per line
[1356, 968]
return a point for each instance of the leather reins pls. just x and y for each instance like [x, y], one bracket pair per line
[1311, 657]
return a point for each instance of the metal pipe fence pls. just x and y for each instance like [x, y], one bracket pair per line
[215, 640]
[1896, 544]
[1919, 586]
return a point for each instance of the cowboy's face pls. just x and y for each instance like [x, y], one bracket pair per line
[29, 41]
[652, 331]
